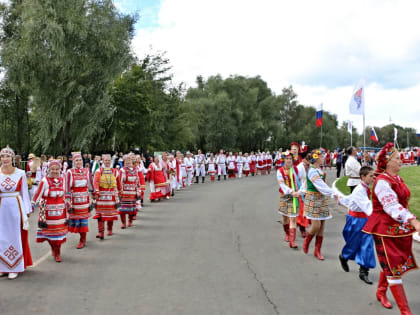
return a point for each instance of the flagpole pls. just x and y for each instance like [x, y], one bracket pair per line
[364, 132]
[351, 137]
[321, 138]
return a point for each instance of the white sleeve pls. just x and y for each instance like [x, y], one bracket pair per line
[27, 207]
[38, 176]
[286, 190]
[389, 201]
[319, 184]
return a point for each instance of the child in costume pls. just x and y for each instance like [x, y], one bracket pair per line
[359, 245]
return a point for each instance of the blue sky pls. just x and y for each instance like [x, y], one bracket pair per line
[321, 48]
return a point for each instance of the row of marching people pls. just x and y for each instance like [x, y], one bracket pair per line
[377, 217]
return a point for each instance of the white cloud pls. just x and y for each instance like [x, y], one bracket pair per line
[320, 47]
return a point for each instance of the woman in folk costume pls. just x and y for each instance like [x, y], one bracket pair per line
[278, 161]
[260, 163]
[269, 163]
[231, 165]
[303, 167]
[178, 161]
[52, 221]
[253, 164]
[211, 162]
[264, 164]
[15, 208]
[36, 171]
[165, 168]
[157, 180]
[316, 207]
[128, 178]
[183, 167]
[392, 225]
[172, 174]
[247, 164]
[288, 177]
[139, 165]
[328, 159]
[296, 150]
[106, 187]
[78, 184]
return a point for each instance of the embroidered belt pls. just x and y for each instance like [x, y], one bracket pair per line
[8, 195]
[357, 214]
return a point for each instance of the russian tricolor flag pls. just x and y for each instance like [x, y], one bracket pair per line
[319, 116]
[418, 135]
[373, 136]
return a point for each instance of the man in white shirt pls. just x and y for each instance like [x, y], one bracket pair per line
[352, 168]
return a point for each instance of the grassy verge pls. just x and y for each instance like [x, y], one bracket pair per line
[411, 176]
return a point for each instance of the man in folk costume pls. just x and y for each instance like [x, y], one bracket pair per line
[231, 165]
[211, 163]
[157, 180]
[106, 186]
[239, 164]
[165, 167]
[189, 164]
[15, 208]
[269, 163]
[288, 177]
[200, 166]
[128, 178]
[253, 164]
[303, 166]
[172, 170]
[78, 185]
[50, 195]
[221, 165]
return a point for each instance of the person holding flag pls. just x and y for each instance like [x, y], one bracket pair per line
[288, 177]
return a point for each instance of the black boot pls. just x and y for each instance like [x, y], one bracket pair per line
[196, 179]
[202, 179]
[173, 192]
[218, 177]
[364, 275]
[224, 176]
[344, 263]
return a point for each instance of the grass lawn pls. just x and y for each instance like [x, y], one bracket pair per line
[411, 176]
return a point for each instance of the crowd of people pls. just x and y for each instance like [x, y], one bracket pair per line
[68, 192]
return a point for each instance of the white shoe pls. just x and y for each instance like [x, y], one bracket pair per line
[13, 275]
[416, 237]
[167, 197]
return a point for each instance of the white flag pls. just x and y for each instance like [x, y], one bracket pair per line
[395, 134]
[357, 102]
[349, 126]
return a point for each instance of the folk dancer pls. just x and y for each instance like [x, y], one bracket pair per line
[302, 221]
[246, 164]
[296, 150]
[165, 167]
[359, 245]
[200, 166]
[106, 187]
[141, 171]
[253, 164]
[316, 207]
[278, 160]
[157, 180]
[172, 170]
[231, 165]
[78, 185]
[352, 168]
[269, 162]
[288, 177]
[260, 164]
[52, 221]
[130, 191]
[189, 164]
[15, 207]
[239, 164]
[392, 225]
[221, 165]
[211, 167]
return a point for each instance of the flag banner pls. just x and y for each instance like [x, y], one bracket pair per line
[319, 116]
[395, 134]
[373, 136]
[350, 126]
[357, 102]
[418, 135]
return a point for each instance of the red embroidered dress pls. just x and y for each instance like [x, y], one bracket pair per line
[106, 188]
[130, 189]
[389, 225]
[51, 192]
[157, 181]
[78, 183]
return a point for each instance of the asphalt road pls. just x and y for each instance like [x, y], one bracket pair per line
[215, 248]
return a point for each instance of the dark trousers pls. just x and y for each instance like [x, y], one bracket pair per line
[418, 161]
[338, 166]
[352, 188]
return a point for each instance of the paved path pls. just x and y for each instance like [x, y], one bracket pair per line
[214, 249]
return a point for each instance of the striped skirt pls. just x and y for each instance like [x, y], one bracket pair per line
[286, 206]
[316, 206]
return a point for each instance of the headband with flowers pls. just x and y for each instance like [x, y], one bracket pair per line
[286, 154]
[387, 152]
[315, 155]
[8, 152]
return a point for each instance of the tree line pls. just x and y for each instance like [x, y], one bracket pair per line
[71, 82]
